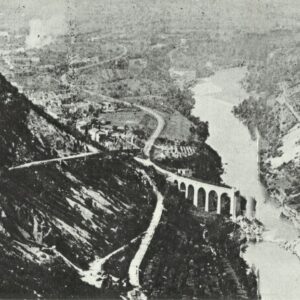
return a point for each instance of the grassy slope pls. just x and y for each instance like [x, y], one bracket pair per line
[177, 127]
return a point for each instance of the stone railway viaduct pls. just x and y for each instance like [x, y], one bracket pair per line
[220, 199]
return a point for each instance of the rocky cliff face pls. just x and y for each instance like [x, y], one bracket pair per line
[55, 219]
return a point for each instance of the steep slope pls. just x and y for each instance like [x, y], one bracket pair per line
[55, 219]
[279, 148]
[71, 229]
[17, 142]
[28, 133]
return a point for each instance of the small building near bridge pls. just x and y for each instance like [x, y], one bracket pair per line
[185, 172]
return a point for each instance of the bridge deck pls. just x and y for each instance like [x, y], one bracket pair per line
[223, 185]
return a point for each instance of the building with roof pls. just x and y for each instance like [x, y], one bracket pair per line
[108, 107]
[185, 172]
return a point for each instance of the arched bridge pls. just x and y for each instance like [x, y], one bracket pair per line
[212, 198]
[220, 199]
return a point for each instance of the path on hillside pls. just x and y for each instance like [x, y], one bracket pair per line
[283, 100]
[289, 106]
[64, 77]
[95, 274]
[59, 159]
[100, 63]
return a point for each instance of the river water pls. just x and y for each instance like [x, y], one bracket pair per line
[215, 97]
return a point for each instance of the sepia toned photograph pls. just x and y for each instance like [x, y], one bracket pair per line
[150, 149]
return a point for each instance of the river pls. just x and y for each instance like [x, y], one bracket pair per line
[215, 97]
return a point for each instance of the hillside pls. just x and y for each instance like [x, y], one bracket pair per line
[28, 133]
[206, 263]
[279, 147]
[56, 219]
[18, 144]
[60, 222]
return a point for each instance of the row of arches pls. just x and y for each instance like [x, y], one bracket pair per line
[209, 201]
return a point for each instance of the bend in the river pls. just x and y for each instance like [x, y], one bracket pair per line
[215, 98]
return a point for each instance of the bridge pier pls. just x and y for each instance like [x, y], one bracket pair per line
[250, 208]
[219, 204]
[222, 193]
[233, 205]
[206, 208]
[186, 192]
[195, 200]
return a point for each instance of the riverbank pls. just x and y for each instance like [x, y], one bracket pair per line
[278, 131]
[215, 97]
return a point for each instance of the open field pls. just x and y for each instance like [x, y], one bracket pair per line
[137, 119]
[177, 127]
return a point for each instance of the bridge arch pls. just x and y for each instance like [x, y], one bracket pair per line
[253, 211]
[242, 205]
[254, 205]
[251, 208]
[212, 201]
[201, 196]
[219, 199]
[225, 203]
[182, 187]
[190, 192]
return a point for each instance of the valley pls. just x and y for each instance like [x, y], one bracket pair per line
[149, 150]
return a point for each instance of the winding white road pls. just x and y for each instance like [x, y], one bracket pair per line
[160, 120]
[134, 268]
[160, 126]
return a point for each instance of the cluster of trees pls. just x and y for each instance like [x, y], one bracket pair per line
[206, 163]
[258, 114]
[183, 101]
[180, 100]
[200, 128]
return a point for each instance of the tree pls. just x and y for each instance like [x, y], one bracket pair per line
[91, 109]
[202, 130]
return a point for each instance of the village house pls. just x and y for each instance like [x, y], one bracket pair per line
[108, 107]
[106, 131]
[80, 126]
[97, 134]
[185, 172]
[94, 133]
[4, 36]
